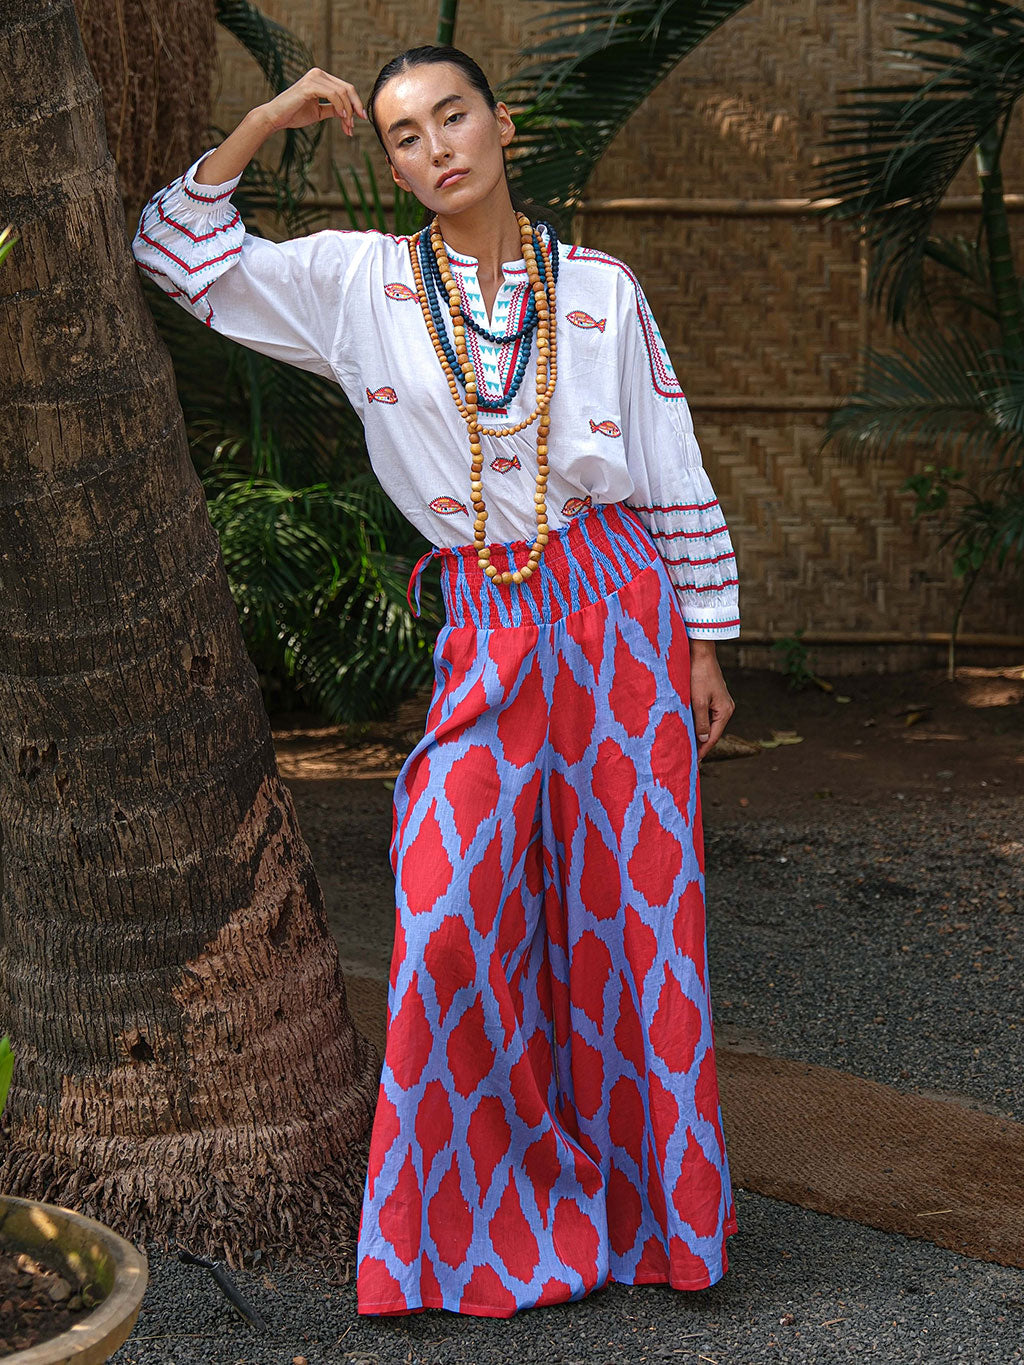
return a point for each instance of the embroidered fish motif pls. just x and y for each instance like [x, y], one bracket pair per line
[503, 463]
[384, 395]
[446, 505]
[606, 428]
[395, 289]
[580, 319]
[577, 505]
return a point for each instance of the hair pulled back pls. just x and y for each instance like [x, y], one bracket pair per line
[435, 52]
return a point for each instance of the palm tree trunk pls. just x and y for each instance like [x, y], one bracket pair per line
[154, 63]
[186, 1064]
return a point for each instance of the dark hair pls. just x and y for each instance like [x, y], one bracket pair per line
[433, 52]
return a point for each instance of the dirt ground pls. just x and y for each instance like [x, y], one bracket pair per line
[907, 731]
[909, 735]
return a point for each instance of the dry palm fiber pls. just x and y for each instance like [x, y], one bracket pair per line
[153, 61]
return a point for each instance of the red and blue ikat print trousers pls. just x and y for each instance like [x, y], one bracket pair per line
[548, 1117]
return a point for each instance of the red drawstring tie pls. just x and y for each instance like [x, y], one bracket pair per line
[414, 578]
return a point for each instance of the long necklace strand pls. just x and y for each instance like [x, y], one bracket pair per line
[547, 370]
[432, 278]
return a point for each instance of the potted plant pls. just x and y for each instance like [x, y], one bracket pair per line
[70, 1288]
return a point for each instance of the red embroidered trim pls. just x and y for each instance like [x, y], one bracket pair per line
[191, 269]
[178, 293]
[716, 560]
[663, 377]
[506, 359]
[677, 507]
[690, 535]
[206, 198]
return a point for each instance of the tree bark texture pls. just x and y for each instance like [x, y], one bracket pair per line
[186, 1064]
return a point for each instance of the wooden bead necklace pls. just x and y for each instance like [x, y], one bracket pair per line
[547, 371]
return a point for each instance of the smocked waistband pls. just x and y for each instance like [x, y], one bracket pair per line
[591, 557]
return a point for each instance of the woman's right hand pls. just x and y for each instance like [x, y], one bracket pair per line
[300, 105]
[296, 107]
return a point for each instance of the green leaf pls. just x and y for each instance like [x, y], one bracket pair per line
[592, 69]
[948, 395]
[6, 1069]
[283, 58]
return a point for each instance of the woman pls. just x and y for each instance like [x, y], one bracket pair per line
[548, 1116]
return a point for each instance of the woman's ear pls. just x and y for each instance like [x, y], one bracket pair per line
[506, 128]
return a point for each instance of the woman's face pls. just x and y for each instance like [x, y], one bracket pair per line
[434, 122]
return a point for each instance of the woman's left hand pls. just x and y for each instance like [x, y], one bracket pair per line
[709, 697]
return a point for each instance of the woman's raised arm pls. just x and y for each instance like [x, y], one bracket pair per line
[284, 299]
[315, 96]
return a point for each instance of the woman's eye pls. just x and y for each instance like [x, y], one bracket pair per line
[406, 140]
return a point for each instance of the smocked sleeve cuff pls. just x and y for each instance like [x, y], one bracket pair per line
[206, 198]
[188, 235]
[693, 540]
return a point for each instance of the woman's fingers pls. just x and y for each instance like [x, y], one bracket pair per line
[701, 722]
[353, 98]
[343, 97]
[315, 96]
[335, 102]
[712, 711]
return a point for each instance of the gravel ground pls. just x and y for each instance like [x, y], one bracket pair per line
[886, 942]
[882, 940]
[800, 1287]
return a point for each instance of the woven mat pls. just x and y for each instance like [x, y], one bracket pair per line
[839, 1144]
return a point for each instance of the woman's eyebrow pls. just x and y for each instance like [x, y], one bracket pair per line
[404, 122]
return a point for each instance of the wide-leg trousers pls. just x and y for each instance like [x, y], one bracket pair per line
[548, 1117]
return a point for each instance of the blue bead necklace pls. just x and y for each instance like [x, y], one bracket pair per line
[434, 287]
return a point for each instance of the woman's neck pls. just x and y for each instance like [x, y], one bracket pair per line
[488, 232]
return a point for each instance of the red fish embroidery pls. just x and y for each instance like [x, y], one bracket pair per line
[384, 395]
[577, 505]
[446, 506]
[503, 463]
[580, 319]
[606, 428]
[395, 289]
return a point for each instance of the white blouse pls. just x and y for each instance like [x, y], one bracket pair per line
[342, 303]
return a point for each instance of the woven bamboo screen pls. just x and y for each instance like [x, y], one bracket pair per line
[761, 304]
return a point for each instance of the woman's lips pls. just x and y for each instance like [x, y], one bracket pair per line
[451, 178]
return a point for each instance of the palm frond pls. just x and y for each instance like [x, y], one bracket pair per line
[948, 396]
[966, 64]
[596, 66]
[964, 283]
[283, 58]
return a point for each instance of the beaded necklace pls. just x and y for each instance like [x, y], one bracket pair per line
[538, 257]
[434, 284]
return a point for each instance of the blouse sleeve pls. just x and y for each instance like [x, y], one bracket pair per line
[284, 299]
[672, 493]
